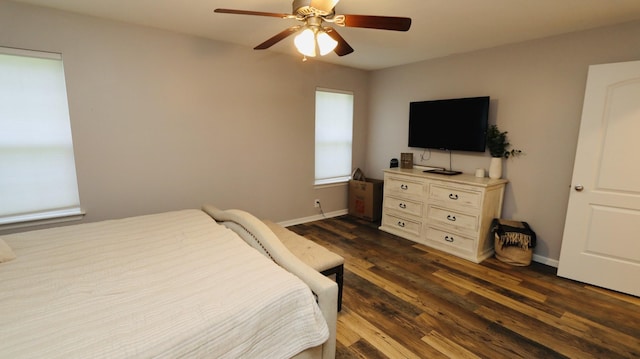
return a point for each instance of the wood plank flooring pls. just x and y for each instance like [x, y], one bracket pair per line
[406, 300]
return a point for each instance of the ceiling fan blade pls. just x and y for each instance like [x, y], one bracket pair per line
[378, 22]
[324, 5]
[343, 47]
[246, 12]
[277, 38]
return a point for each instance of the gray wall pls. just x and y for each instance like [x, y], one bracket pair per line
[164, 121]
[536, 90]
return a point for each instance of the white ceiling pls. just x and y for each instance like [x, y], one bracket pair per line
[439, 27]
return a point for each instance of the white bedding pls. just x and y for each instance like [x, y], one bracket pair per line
[180, 285]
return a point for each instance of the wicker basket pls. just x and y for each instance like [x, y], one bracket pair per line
[514, 242]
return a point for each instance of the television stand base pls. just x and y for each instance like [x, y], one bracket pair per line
[443, 172]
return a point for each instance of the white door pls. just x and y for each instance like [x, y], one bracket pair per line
[601, 242]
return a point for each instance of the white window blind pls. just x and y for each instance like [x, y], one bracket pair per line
[37, 166]
[334, 136]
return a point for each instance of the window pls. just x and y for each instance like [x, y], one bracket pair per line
[37, 166]
[334, 136]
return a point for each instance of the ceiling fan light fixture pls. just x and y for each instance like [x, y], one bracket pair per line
[312, 40]
[306, 43]
[326, 43]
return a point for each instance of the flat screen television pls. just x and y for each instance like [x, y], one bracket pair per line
[453, 124]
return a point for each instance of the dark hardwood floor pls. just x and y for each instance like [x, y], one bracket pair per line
[406, 300]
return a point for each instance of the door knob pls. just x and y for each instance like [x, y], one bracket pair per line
[579, 188]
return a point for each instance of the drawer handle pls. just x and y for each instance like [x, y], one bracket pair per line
[451, 218]
[401, 224]
[404, 187]
[453, 196]
[402, 205]
[449, 239]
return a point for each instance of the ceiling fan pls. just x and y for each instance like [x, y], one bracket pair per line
[314, 36]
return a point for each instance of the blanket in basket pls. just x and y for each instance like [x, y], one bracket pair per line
[513, 234]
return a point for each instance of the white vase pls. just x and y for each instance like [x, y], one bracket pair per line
[495, 167]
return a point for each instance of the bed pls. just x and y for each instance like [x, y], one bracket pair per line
[192, 283]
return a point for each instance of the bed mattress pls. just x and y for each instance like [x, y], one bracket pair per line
[170, 285]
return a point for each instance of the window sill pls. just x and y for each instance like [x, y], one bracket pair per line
[38, 221]
[331, 184]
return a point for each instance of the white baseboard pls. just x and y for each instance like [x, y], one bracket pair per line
[342, 212]
[545, 260]
[317, 217]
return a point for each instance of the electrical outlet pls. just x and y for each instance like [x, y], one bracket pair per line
[316, 203]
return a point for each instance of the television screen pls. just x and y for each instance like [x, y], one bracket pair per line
[452, 124]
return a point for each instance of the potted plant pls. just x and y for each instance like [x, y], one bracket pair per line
[500, 148]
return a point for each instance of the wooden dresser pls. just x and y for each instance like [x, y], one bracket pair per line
[450, 213]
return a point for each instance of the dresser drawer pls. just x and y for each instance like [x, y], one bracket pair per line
[449, 239]
[455, 196]
[404, 186]
[453, 218]
[411, 227]
[403, 205]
